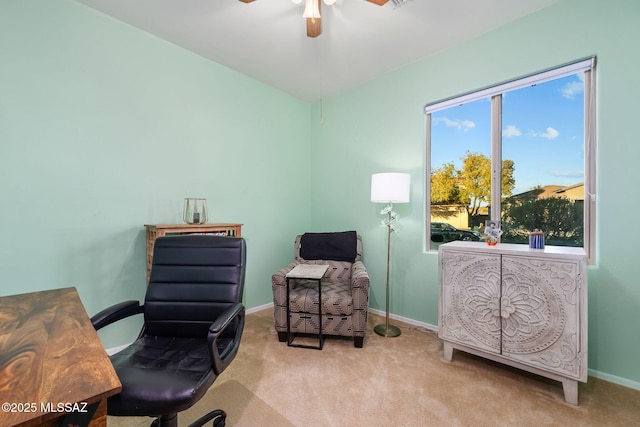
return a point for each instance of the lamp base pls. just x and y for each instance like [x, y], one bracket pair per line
[387, 330]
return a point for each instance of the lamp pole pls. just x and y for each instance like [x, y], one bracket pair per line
[388, 330]
[389, 188]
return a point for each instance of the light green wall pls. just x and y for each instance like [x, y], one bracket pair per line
[379, 127]
[104, 128]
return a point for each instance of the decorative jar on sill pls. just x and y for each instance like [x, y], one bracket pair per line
[195, 211]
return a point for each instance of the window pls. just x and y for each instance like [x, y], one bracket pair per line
[522, 153]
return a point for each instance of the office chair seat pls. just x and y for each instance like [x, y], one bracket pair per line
[178, 370]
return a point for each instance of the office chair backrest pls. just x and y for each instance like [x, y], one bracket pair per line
[193, 279]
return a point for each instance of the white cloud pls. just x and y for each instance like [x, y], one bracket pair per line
[510, 131]
[464, 125]
[550, 133]
[571, 89]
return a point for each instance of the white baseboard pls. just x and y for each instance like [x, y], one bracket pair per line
[615, 379]
[428, 326]
[259, 308]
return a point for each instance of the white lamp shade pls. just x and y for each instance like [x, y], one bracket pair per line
[390, 187]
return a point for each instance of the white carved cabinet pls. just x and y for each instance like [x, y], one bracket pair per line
[523, 307]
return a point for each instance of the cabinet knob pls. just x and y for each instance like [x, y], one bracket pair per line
[506, 308]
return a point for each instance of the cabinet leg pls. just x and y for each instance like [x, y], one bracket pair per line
[570, 391]
[448, 352]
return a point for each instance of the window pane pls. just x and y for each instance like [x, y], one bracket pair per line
[543, 135]
[460, 172]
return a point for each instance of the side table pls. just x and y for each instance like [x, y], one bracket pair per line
[307, 272]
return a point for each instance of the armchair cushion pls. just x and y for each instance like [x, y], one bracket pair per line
[336, 298]
[339, 246]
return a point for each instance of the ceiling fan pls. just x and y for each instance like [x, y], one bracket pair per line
[312, 13]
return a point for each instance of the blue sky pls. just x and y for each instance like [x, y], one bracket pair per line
[542, 132]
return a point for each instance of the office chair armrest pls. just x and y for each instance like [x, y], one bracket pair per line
[221, 359]
[225, 318]
[116, 312]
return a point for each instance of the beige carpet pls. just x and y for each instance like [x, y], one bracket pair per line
[401, 381]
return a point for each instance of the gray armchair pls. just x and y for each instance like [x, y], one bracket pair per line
[345, 288]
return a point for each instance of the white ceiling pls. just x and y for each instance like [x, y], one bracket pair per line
[267, 40]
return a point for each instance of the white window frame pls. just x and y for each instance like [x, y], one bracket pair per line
[495, 92]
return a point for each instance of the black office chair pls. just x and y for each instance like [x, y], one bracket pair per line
[193, 322]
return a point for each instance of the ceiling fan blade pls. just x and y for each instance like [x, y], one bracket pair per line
[378, 2]
[247, 1]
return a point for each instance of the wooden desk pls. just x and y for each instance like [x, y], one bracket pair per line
[50, 355]
[155, 231]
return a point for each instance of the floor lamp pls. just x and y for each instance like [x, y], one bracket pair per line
[389, 188]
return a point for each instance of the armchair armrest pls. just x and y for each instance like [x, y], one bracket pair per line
[116, 312]
[280, 276]
[279, 280]
[234, 315]
[279, 290]
[360, 299]
[360, 277]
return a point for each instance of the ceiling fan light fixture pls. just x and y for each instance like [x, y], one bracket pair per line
[311, 9]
